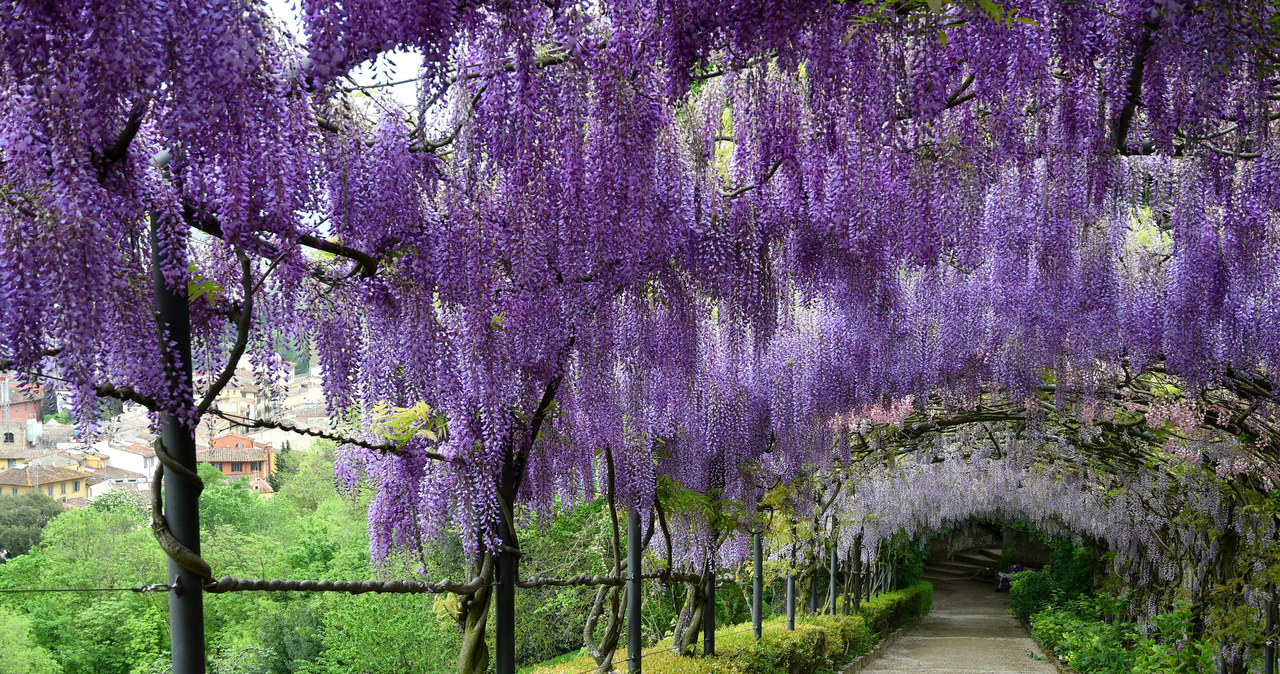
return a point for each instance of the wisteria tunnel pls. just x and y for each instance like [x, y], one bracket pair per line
[746, 301]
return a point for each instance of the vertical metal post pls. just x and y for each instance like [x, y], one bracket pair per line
[181, 498]
[709, 612]
[831, 578]
[858, 573]
[504, 595]
[633, 592]
[1269, 646]
[791, 602]
[848, 578]
[757, 586]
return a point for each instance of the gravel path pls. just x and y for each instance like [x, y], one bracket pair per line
[968, 630]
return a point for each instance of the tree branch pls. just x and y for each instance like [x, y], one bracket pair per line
[366, 264]
[242, 337]
[120, 148]
[385, 447]
[739, 191]
[1133, 91]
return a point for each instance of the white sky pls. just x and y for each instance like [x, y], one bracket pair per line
[393, 67]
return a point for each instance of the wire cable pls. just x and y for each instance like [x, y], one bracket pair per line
[156, 587]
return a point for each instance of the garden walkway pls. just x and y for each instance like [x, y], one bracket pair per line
[968, 630]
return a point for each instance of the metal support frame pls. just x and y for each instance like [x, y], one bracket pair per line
[709, 612]
[181, 498]
[504, 595]
[634, 588]
[791, 602]
[831, 578]
[1269, 648]
[858, 573]
[757, 586]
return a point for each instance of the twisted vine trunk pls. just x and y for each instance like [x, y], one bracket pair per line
[689, 622]
[609, 598]
[473, 614]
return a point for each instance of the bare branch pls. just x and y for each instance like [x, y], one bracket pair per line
[366, 264]
[1133, 91]
[384, 447]
[739, 191]
[242, 337]
[120, 148]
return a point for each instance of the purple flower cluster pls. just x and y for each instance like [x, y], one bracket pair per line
[715, 241]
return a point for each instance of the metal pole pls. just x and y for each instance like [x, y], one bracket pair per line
[1269, 647]
[831, 578]
[709, 612]
[858, 573]
[848, 578]
[791, 602]
[181, 498]
[633, 592]
[757, 587]
[813, 592]
[504, 595]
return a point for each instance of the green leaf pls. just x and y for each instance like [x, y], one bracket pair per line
[198, 286]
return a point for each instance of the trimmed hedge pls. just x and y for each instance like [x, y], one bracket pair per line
[887, 612]
[818, 644]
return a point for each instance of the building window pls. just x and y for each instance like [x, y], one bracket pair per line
[49, 488]
[257, 466]
[75, 486]
[13, 462]
[149, 463]
[15, 491]
[235, 467]
[63, 488]
[8, 438]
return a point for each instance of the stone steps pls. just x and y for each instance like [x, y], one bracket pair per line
[963, 565]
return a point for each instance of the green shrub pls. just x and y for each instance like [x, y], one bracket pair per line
[908, 556]
[1167, 650]
[1089, 638]
[1030, 592]
[820, 644]
[887, 612]
[1072, 568]
[1089, 646]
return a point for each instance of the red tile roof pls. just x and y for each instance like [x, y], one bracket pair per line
[254, 453]
[37, 475]
[113, 473]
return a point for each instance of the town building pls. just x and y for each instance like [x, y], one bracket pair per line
[136, 455]
[19, 412]
[109, 478]
[58, 482]
[238, 455]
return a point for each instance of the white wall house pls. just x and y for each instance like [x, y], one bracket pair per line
[137, 457]
[109, 478]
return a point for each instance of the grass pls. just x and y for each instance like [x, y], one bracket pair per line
[731, 643]
[819, 643]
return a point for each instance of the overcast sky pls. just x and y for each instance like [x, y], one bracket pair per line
[393, 68]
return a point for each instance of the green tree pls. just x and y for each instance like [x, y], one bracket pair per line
[292, 635]
[22, 518]
[104, 633]
[18, 655]
[307, 477]
[386, 633]
[226, 503]
[134, 503]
